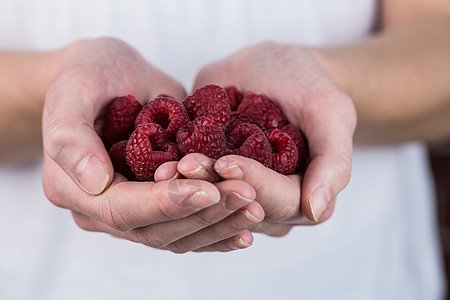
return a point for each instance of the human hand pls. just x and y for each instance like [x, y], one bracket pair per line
[278, 220]
[78, 174]
[292, 77]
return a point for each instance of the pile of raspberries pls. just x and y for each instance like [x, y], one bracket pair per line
[214, 121]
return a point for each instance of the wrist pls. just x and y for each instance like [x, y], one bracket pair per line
[27, 76]
[39, 69]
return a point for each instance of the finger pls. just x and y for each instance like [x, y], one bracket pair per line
[87, 163]
[330, 140]
[127, 205]
[198, 166]
[240, 241]
[302, 220]
[92, 225]
[273, 229]
[243, 219]
[324, 178]
[327, 213]
[167, 171]
[267, 227]
[278, 194]
[155, 202]
[235, 195]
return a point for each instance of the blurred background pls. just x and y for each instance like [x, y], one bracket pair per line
[440, 163]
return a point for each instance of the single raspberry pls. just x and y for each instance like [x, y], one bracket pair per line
[237, 118]
[117, 153]
[284, 151]
[264, 112]
[148, 148]
[209, 101]
[120, 115]
[146, 115]
[202, 135]
[248, 140]
[165, 111]
[301, 144]
[234, 96]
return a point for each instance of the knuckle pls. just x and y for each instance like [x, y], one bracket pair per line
[83, 223]
[51, 194]
[167, 212]
[215, 234]
[113, 217]
[56, 137]
[283, 213]
[343, 168]
[149, 239]
[203, 219]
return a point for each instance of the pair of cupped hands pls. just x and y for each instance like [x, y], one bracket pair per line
[195, 204]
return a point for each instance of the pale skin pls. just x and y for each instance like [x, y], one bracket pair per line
[393, 87]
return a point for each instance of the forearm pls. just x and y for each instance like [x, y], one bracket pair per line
[24, 79]
[399, 81]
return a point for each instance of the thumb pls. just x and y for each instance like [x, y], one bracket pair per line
[278, 194]
[69, 138]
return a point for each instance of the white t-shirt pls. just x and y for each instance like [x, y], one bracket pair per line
[381, 242]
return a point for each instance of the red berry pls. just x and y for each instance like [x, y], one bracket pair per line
[284, 151]
[237, 118]
[264, 112]
[248, 140]
[234, 96]
[117, 153]
[202, 135]
[209, 101]
[301, 144]
[165, 111]
[120, 116]
[148, 148]
[146, 115]
[215, 130]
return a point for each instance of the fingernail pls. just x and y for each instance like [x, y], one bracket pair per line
[234, 201]
[192, 172]
[244, 219]
[318, 202]
[176, 176]
[231, 171]
[92, 175]
[238, 243]
[242, 243]
[199, 199]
